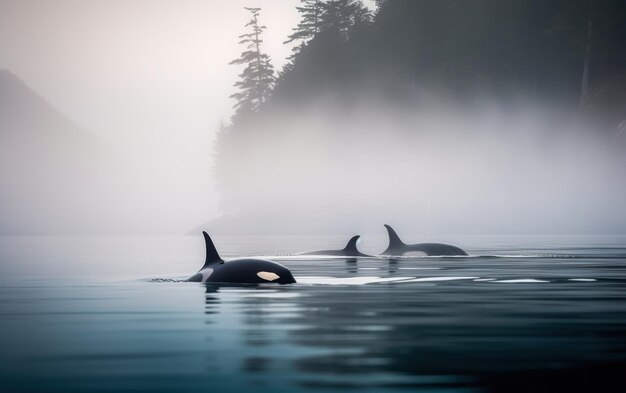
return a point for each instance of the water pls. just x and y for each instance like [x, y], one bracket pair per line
[107, 314]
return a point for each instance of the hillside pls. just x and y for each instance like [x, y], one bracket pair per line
[438, 113]
[48, 165]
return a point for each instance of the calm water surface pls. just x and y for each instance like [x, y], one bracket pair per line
[107, 314]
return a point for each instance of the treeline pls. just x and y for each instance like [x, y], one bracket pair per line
[463, 49]
[566, 53]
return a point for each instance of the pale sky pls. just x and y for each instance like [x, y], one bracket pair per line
[119, 64]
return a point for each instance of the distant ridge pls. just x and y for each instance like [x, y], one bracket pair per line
[16, 95]
[47, 165]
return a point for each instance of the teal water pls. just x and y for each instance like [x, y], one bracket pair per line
[108, 314]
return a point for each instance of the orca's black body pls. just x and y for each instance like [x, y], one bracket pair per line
[398, 247]
[350, 250]
[239, 271]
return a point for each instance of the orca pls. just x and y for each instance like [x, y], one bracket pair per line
[239, 271]
[350, 250]
[398, 247]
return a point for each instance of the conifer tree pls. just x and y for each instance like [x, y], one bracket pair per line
[257, 78]
[592, 28]
[310, 23]
[340, 15]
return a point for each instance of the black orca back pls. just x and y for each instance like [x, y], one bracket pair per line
[350, 250]
[437, 249]
[251, 271]
[398, 247]
[239, 271]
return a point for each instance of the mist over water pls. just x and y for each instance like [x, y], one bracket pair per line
[440, 167]
[146, 83]
[360, 134]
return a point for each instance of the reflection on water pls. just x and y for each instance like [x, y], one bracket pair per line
[542, 319]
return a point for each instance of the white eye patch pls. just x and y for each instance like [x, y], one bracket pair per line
[268, 276]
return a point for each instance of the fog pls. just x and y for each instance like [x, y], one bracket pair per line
[148, 84]
[150, 80]
[441, 169]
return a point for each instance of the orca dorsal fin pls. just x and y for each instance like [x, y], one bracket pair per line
[212, 257]
[394, 239]
[351, 246]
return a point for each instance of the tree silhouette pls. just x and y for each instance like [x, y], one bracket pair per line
[340, 15]
[408, 52]
[595, 31]
[310, 24]
[257, 78]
